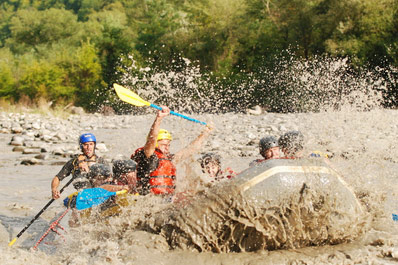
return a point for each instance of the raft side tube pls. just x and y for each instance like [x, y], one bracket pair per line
[277, 179]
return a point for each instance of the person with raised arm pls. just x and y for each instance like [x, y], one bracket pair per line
[156, 170]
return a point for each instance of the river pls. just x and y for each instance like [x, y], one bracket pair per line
[362, 146]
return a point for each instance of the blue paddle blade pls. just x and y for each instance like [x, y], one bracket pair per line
[92, 197]
[395, 217]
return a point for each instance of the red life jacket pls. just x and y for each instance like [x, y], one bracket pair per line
[162, 179]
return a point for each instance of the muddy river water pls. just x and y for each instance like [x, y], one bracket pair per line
[362, 146]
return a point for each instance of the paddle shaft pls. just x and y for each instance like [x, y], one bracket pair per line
[39, 213]
[178, 114]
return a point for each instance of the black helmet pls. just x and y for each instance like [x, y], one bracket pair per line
[99, 170]
[292, 141]
[209, 157]
[267, 142]
[123, 166]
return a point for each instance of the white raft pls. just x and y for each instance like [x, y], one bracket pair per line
[278, 204]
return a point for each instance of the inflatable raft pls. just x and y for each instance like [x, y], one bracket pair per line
[277, 204]
[277, 179]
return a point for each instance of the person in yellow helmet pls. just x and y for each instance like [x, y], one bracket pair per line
[156, 171]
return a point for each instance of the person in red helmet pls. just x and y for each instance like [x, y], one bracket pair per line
[156, 170]
[78, 166]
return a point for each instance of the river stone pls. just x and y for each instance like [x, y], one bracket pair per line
[28, 151]
[46, 138]
[16, 129]
[33, 144]
[59, 137]
[101, 147]
[251, 136]
[17, 140]
[30, 161]
[42, 156]
[18, 148]
[6, 124]
[58, 151]
[45, 148]
[44, 132]
[69, 153]
[27, 126]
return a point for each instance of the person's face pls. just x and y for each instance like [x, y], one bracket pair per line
[212, 168]
[131, 177]
[88, 149]
[99, 180]
[164, 146]
[273, 152]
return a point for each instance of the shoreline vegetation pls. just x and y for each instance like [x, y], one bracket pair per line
[41, 107]
[286, 56]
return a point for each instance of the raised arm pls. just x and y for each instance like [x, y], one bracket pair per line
[193, 147]
[150, 144]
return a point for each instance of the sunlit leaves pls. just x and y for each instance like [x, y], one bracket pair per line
[31, 28]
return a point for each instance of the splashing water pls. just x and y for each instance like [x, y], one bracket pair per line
[349, 124]
[291, 85]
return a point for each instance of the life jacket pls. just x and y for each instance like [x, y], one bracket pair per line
[158, 180]
[81, 181]
[162, 179]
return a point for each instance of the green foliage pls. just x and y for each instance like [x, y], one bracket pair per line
[113, 40]
[74, 50]
[86, 77]
[156, 32]
[31, 29]
[43, 80]
[6, 81]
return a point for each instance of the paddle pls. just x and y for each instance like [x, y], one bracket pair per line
[88, 198]
[132, 98]
[39, 213]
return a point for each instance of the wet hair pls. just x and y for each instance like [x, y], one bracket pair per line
[123, 166]
[292, 142]
[99, 170]
[209, 157]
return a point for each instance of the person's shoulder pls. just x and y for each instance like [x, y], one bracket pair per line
[72, 160]
[138, 151]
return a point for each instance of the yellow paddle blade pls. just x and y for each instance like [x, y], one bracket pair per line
[12, 242]
[121, 192]
[129, 96]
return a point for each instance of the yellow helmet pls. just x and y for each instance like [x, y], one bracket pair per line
[164, 135]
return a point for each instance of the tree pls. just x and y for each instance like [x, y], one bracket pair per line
[31, 29]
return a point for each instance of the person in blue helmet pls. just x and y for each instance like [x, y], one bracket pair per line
[78, 166]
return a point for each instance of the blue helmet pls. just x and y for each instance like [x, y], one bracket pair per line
[86, 137]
